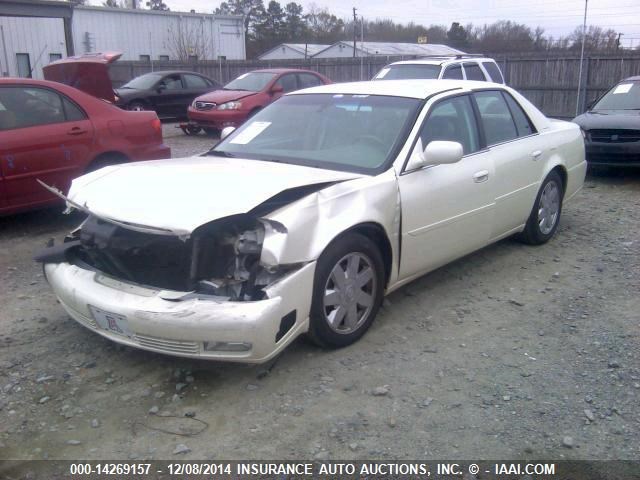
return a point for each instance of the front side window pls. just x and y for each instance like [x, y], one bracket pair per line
[497, 121]
[474, 72]
[409, 72]
[173, 82]
[451, 120]
[307, 80]
[288, 83]
[29, 107]
[336, 131]
[453, 72]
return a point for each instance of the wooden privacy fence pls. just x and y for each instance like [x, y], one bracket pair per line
[549, 81]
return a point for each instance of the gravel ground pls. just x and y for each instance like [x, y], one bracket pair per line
[511, 352]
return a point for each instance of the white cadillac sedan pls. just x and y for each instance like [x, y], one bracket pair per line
[302, 219]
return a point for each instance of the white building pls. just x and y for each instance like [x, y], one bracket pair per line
[29, 40]
[369, 49]
[286, 51]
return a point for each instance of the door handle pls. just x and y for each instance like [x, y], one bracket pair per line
[536, 154]
[76, 131]
[481, 176]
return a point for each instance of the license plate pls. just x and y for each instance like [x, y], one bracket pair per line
[111, 322]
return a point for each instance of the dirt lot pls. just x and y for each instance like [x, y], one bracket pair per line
[511, 352]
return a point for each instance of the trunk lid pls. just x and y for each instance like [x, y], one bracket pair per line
[89, 73]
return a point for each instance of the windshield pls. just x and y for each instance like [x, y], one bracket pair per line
[253, 81]
[143, 82]
[408, 72]
[334, 131]
[624, 96]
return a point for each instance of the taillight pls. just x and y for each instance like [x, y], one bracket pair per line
[157, 126]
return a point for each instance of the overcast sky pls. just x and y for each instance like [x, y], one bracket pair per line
[557, 17]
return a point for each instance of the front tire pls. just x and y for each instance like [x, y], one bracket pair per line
[545, 215]
[347, 291]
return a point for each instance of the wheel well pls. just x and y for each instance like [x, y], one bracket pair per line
[106, 158]
[563, 175]
[376, 233]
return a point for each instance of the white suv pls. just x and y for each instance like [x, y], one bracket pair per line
[455, 67]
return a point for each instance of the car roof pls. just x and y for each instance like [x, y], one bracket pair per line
[28, 81]
[400, 88]
[441, 60]
[282, 70]
[172, 72]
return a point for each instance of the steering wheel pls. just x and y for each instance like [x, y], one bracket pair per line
[371, 139]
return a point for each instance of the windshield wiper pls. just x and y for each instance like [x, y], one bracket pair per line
[220, 153]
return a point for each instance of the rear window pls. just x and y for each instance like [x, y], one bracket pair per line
[474, 72]
[493, 71]
[409, 72]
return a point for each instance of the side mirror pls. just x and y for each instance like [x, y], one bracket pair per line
[437, 152]
[226, 131]
[441, 152]
[276, 89]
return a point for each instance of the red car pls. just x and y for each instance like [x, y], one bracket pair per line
[54, 132]
[244, 96]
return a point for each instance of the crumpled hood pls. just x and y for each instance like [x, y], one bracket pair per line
[182, 194]
[223, 96]
[629, 119]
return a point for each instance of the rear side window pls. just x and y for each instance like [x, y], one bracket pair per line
[453, 72]
[523, 124]
[494, 71]
[72, 112]
[496, 117]
[194, 81]
[474, 72]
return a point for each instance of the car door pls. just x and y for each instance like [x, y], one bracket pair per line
[517, 157]
[195, 85]
[447, 210]
[47, 137]
[168, 96]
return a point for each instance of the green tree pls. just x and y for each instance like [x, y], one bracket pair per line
[112, 4]
[157, 5]
[295, 26]
[324, 27]
[458, 36]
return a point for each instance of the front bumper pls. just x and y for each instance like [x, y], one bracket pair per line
[217, 119]
[613, 154]
[159, 321]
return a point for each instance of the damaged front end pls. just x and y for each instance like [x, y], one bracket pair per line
[221, 258]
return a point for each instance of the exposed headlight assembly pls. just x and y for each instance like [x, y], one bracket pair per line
[230, 106]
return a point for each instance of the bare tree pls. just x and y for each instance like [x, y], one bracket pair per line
[187, 41]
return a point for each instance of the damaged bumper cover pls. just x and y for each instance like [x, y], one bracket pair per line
[186, 324]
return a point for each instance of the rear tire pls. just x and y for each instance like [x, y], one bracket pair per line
[137, 106]
[105, 161]
[545, 215]
[347, 291]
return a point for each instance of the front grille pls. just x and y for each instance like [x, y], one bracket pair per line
[205, 105]
[614, 135]
[172, 346]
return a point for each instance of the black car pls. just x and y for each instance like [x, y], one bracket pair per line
[612, 126]
[169, 93]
